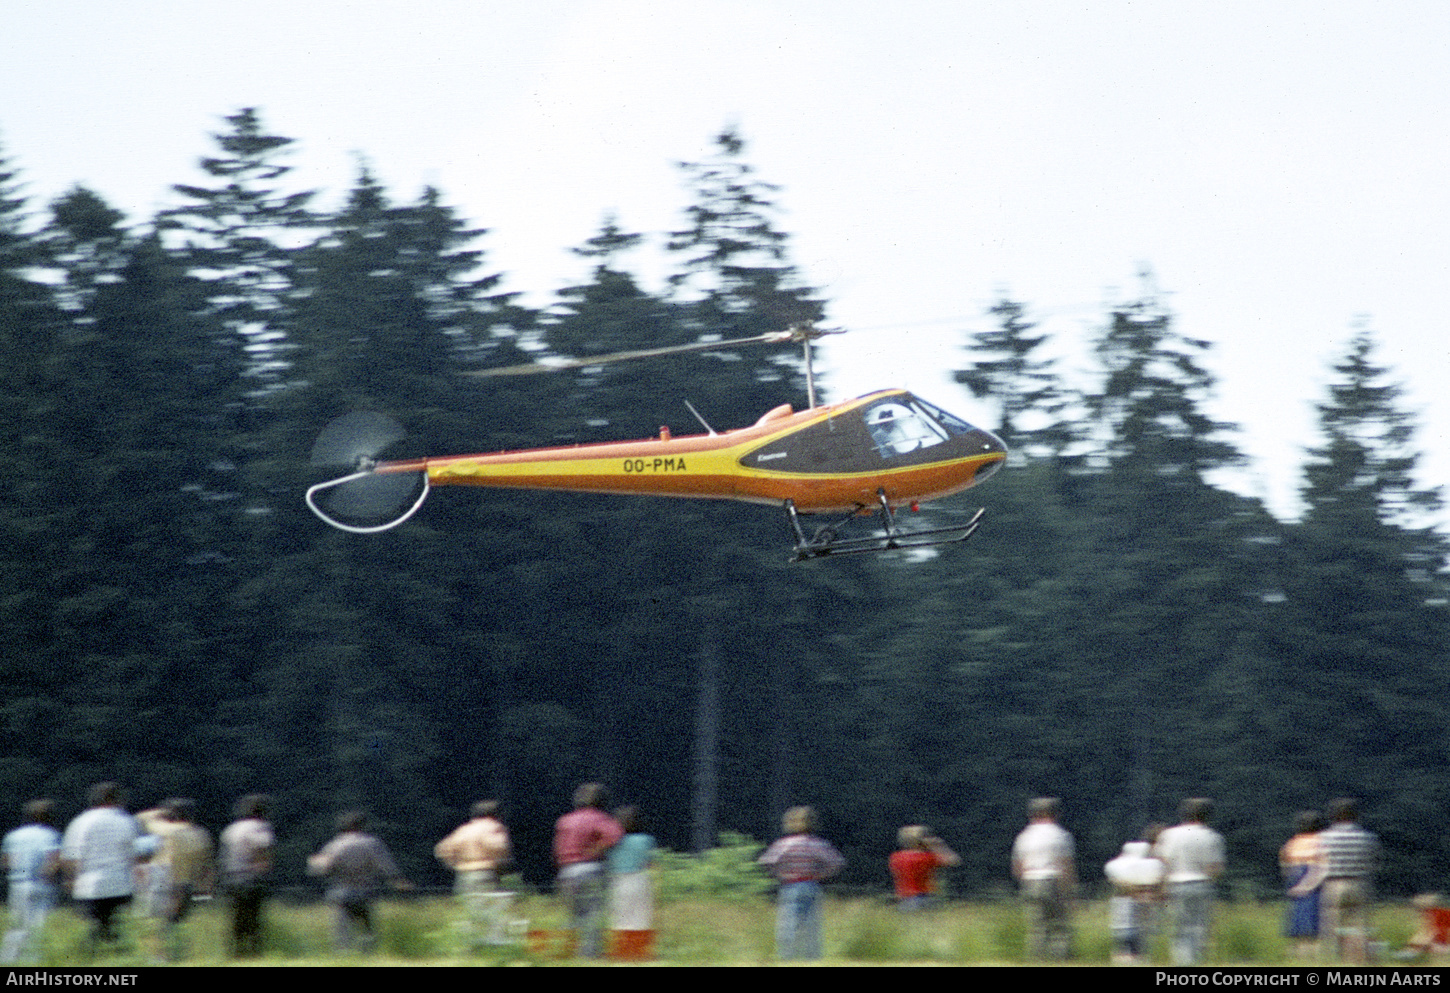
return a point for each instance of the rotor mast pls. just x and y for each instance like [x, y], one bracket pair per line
[810, 374]
[805, 334]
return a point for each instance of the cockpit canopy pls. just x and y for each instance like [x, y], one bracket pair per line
[904, 423]
[893, 430]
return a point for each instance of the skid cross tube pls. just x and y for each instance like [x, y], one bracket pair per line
[824, 542]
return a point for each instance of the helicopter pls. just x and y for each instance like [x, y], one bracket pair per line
[857, 458]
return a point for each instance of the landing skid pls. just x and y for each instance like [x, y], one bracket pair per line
[825, 541]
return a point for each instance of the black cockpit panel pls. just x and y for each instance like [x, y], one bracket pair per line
[895, 431]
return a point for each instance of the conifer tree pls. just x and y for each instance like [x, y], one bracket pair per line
[612, 297]
[396, 309]
[1364, 472]
[733, 253]
[145, 615]
[27, 315]
[1150, 410]
[1006, 373]
[32, 537]
[87, 244]
[1161, 567]
[241, 234]
[374, 654]
[734, 277]
[736, 272]
[1364, 558]
[611, 313]
[1358, 631]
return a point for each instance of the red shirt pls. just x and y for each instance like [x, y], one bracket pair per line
[584, 836]
[912, 871]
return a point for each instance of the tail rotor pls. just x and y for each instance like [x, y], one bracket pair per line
[371, 495]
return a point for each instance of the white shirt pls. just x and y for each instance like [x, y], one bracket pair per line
[1135, 868]
[102, 844]
[1192, 853]
[246, 850]
[1042, 851]
[27, 849]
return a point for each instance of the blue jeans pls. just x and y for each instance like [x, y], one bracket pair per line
[1192, 906]
[798, 921]
[582, 886]
[352, 920]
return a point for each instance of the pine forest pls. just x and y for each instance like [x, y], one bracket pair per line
[1123, 632]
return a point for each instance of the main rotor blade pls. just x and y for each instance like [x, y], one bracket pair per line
[556, 365]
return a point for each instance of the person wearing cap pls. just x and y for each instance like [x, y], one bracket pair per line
[1043, 864]
[913, 867]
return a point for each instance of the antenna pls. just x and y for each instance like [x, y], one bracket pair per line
[699, 418]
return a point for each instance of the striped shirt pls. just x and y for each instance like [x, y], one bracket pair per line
[801, 858]
[1349, 851]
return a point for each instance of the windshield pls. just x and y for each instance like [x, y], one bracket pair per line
[905, 424]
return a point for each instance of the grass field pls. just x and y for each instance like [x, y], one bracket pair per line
[427, 931]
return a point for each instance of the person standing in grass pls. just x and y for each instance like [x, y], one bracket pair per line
[356, 865]
[474, 852]
[180, 870]
[1303, 869]
[1192, 854]
[1350, 854]
[631, 897]
[799, 861]
[32, 863]
[582, 838]
[246, 870]
[98, 854]
[1043, 863]
[1137, 879]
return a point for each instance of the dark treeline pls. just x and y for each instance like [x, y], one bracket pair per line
[1123, 633]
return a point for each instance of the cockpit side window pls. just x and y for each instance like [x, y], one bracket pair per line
[954, 424]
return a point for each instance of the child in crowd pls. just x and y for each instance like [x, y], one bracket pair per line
[1137, 879]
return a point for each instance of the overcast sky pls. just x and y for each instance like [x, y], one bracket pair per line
[1281, 165]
